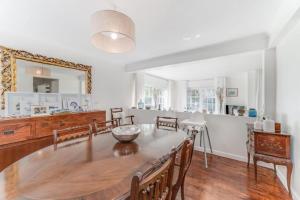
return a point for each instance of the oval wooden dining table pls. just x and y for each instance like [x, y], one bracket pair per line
[101, 168]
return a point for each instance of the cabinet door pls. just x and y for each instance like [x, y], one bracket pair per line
[46, 125]
[97, 116]
[16, 132]
[272, 144]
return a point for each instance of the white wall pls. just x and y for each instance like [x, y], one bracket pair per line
[156, 82]
[270, 82]
[225, 130]
[288, 97]
[238, 81]
[111, 87]
[180, 95]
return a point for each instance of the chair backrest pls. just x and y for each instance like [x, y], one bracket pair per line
[105, 126]
[114, 111]
[155, 183]
[62, 135]
[186, 155]
[168, 123]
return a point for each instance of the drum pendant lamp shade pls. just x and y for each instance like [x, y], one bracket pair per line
[112, 31]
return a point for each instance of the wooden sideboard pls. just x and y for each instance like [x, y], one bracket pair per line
[22, 136]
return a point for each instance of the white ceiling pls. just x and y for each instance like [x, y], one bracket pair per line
[210, 68]
[161, 25]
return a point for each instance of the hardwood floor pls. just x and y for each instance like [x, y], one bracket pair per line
[227, 179]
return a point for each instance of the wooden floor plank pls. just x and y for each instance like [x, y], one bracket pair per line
[228, 179]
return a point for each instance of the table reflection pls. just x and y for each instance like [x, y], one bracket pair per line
[125, 149]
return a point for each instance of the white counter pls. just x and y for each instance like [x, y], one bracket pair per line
[228, 133]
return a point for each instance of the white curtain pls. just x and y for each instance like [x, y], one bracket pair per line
[181, 95]
[255, 92]
[258, 92]
[171, 94]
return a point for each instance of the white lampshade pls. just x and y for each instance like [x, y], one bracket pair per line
[112, 31]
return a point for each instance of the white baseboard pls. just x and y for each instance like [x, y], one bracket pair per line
[281, 177]
[283, 180]
[223, 154]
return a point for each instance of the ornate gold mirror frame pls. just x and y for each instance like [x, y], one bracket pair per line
[8, 69]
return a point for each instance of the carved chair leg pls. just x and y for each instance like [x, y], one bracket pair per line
[174, 192]
[248, 163]
[289, 174]
[182, 189]
[255, 167]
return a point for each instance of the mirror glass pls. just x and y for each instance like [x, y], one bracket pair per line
[45, 78]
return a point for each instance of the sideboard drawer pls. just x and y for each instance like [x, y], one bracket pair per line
[272, 144]
[16, 132]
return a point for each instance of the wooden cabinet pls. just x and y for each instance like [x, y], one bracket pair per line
[20, 129]
[45, 126]
[273, 148]
[274, 144]
[22, 136]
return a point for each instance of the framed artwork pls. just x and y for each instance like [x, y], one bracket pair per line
[86, 102]
[22, 103]
[71, 102]
[39, 110]
[52, 100]
[19, 104]
[232, 92]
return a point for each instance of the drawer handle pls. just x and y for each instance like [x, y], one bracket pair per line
[8, 132]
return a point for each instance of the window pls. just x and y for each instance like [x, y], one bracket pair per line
[199, 99]
[155, 97]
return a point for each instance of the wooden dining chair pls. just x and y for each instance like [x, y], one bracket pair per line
[181, 167]
[118, 115]
[167, 123]
[104, 127]
[155, 183]
[70, 133]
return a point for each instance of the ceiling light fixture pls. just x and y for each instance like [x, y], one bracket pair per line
[112, 31]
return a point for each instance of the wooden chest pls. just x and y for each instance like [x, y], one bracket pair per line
[272, 144]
